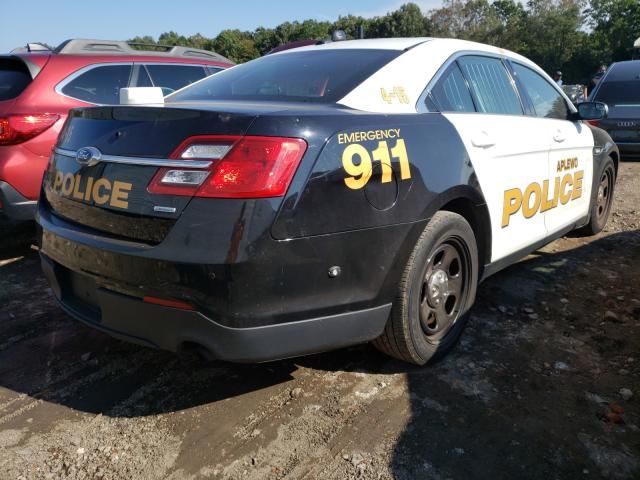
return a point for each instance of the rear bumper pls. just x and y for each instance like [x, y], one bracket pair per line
[15, 206]
[130, 318]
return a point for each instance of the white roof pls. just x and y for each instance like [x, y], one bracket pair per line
[411, 71]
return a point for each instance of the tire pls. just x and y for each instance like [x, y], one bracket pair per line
[425, 320]
[601, 200]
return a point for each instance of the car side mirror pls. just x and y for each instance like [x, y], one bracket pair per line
[592, 111]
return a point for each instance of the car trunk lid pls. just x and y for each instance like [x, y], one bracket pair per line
[106, 158]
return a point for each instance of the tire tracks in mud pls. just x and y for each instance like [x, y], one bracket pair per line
[317, 425]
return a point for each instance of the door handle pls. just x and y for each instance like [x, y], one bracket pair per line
[483, 140]
[559, 136]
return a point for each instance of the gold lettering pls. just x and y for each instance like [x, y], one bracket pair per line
[577, 185]
[529, 210]
[76, 189]
[87, 193]
[512, 203]
[57, 183]
[368, 135]
[120, 194]
[564, 196]
[67, 185]
[546, 203]
[556, 190]
[100, 198]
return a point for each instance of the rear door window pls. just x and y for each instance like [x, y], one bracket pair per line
[547, 101]
[491, 85]
[172, 77]
[451, 93]
[14, 78]
[99, 85]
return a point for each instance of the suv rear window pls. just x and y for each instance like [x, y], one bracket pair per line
[617, 93]
[14, 78]
[322, 76]
[99, 85]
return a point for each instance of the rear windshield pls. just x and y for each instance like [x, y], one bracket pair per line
[322, 76]
[14, 78]
[617, 93]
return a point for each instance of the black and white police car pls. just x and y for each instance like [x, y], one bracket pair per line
[319, 197]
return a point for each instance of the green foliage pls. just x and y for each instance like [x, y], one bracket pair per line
[616, 25]
[575, 36]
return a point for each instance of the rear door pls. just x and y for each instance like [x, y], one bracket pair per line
[567, 186]
[478, 96]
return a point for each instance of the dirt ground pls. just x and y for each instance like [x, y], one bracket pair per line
[544, 384]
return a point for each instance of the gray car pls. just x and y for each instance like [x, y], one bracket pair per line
[619, 88]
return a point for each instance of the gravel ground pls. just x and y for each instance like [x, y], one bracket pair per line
[544, 384]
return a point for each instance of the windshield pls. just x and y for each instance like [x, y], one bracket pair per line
[322, 76]
[617, 93]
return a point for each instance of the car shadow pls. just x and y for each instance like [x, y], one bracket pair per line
[514, 399]
[465, 413]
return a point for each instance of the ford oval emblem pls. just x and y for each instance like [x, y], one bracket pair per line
[88, 156]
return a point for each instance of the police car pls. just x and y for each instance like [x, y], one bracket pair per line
[319, 197]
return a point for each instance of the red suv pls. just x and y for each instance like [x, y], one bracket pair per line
[38, 86]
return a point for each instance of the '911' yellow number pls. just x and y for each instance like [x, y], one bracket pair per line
[361, 172]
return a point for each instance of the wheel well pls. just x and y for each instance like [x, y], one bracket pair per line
[478, 218]
[614, 156]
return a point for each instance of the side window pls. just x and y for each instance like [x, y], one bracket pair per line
[451, 93]
[100, 85]
[547, 101]
[491, 85]
[173, 77]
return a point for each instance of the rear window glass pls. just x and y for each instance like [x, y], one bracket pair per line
[322, 76]
[100, 85]
[617, 93]
[14, 78]
[174, 77]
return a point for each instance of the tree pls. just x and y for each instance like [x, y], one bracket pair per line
[572, 35]
[264, 40]
[616, 25]
[407, 21]
[236, 45]
[552, 31]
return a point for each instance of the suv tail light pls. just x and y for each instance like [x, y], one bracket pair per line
[595, 123]
[242, 167]
[20, 128]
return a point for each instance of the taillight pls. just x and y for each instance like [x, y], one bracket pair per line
[595, 123]
[20, 128]
[242, 167]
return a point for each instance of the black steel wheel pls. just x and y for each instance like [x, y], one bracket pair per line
[601, 199]
[444, 288]
[435, 293]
